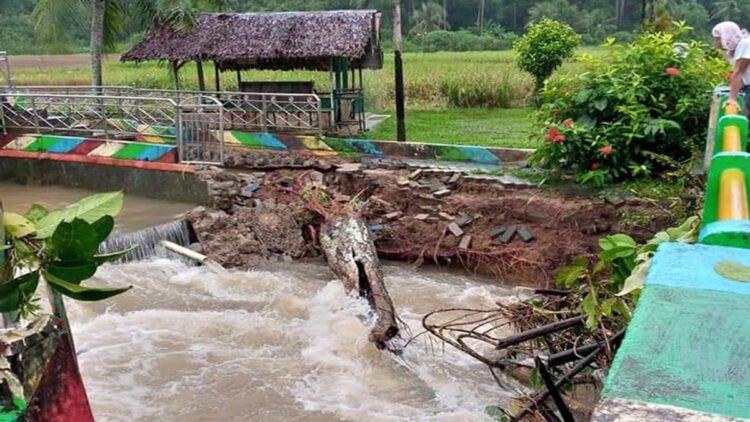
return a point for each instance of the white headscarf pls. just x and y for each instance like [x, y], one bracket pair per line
[730, 34]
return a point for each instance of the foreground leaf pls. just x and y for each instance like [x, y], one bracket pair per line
[86, 294]
[74, 241]
[73, 272]
[114, 256]
[17, 225]
[36, 213]
[89, 209]
[733, 271]
[636, 279]
[103, 227]
[16, 291]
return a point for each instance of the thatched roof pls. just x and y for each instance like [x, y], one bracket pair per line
[286, 40]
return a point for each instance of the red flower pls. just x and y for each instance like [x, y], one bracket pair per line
[560, 138]
[672, 71]
[606, 150]
[568, 123]
[552, 134]
[595, 166]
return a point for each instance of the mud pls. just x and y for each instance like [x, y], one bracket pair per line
[276, 214]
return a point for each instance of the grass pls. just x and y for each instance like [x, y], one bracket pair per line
[428, 76]
[486, 127]
[433, 82]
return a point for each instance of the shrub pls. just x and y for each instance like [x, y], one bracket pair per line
[619, 120]
[544, 47]
[463, 41]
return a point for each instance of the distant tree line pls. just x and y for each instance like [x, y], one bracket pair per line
[594, 20]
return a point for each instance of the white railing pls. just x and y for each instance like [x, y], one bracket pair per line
[195, 124]
[250, 111]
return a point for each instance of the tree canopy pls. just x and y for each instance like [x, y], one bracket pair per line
[594, 20]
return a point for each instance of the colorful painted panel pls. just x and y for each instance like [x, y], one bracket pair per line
[140, 151]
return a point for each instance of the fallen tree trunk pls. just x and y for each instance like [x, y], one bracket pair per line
[351, 254]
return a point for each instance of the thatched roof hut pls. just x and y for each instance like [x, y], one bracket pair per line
[281, 41]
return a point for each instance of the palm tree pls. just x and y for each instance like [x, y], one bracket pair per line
[106, 17]
[725, 9]
[429, 17]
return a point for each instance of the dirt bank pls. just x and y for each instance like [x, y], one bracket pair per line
[270, 207]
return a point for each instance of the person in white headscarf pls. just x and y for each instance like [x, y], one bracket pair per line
[736, 41]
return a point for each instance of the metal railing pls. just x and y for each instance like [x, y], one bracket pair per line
[255, 112]
[110, 117]
[195, 124]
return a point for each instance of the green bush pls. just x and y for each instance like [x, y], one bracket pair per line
[616, 120]
[543, 48]
[463, 41]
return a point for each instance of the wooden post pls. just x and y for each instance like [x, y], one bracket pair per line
[399, 69]
[239, 80]
[201, 79]
[216, 77]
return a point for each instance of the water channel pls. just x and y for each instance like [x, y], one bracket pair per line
[278, 343]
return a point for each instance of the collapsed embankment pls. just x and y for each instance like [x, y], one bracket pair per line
[270, 206]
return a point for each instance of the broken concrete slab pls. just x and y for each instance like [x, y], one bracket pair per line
[455, 230]
[415, 174]
[497, 231]
[508, 235]
[454, 179]
[250, 189]
[465, 242]
[525, 234]
[402, 181]
[435, 187]
[463, 220]
[514, 181]
[442, 193]
[392, 215]
[349, 167]
[446, 216]
[421, 217]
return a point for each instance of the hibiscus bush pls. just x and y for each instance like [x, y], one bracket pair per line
[648, 99]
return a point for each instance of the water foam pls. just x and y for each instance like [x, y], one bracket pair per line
[186, 344]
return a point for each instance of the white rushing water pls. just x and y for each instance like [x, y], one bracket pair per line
[283, 344]
[287, 344]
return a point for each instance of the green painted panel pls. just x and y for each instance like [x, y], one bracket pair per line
[42, 144]
[726, 121]
[130, 151]
[247, 139]
[722, 161]
[687, 348]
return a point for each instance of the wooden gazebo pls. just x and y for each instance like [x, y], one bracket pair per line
[340, 42]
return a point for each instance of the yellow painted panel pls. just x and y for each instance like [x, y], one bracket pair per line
[732, 196]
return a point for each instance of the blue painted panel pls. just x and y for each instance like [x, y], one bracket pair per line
[479, 154]
[153, 153]
[365, 147]
[269, 141]
[688, 266]
[65, 145]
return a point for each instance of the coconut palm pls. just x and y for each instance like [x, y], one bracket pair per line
[105, 19]
[725, 9]
[429, 17]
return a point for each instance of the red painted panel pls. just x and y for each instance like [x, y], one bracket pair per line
[6, 139]
[61, 395]
[170, 157]
[86, 147]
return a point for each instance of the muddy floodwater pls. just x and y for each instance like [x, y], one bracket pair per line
[279, 343]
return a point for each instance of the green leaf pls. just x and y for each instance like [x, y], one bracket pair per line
[89, 209]
[16, 291]
[600, 104]
[733, 271]
[5, 247]
[114, 256]
[17, 225]
[103, 227]
[607, 307]
[36, 213]
[568, 276]
[636, 280]
[589, 305]
[86, 294]
[73, 272]
[74, 241]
